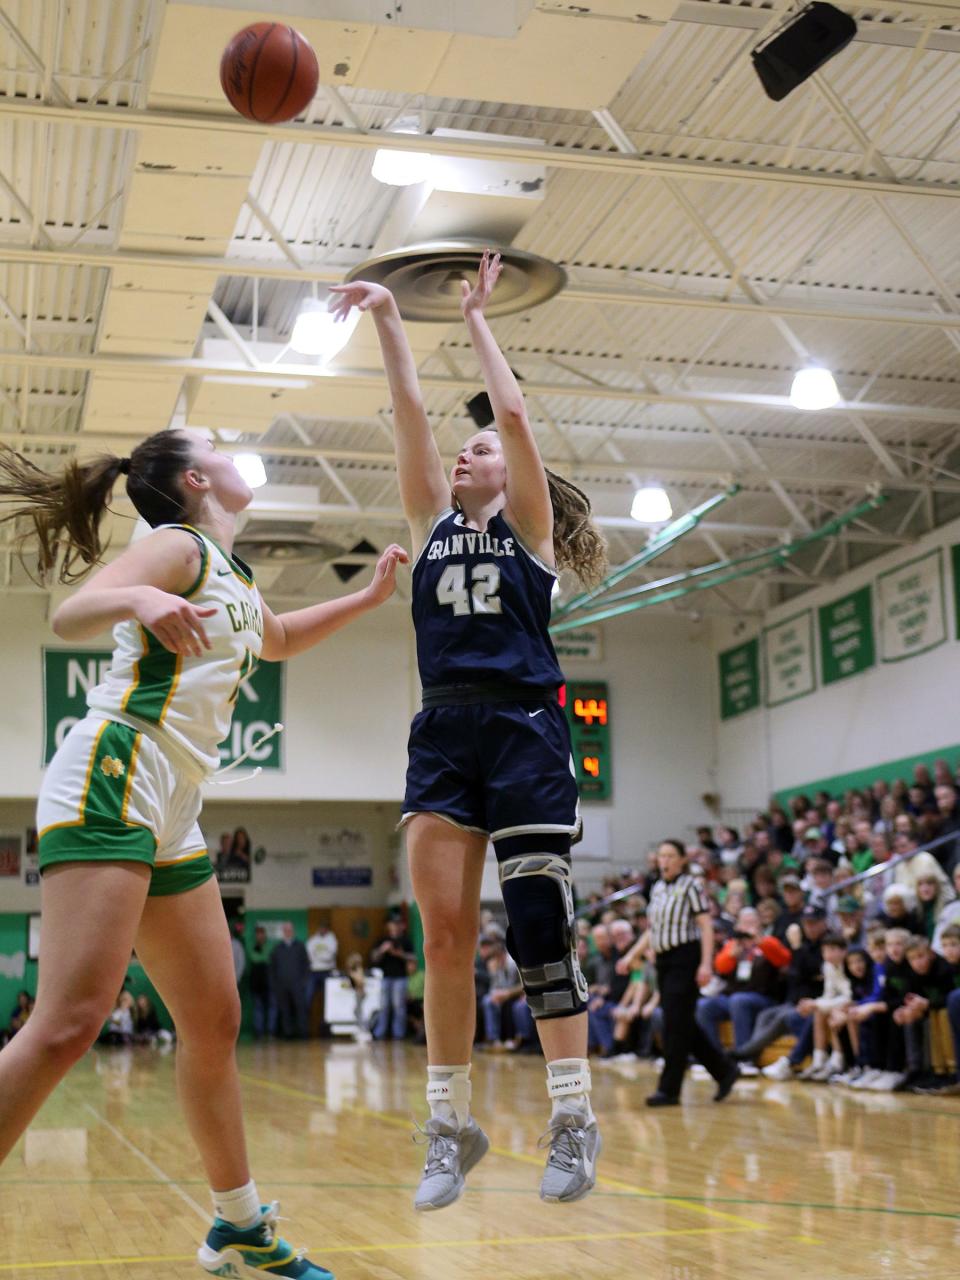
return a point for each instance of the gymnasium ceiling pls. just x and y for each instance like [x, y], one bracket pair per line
[155, 247]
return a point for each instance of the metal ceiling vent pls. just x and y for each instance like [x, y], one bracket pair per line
[280, 543]
[425, 278]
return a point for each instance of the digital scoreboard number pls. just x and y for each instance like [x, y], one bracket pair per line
[587, 708]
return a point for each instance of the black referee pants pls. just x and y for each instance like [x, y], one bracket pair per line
[682, 1035]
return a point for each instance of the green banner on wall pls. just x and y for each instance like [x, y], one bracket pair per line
[740, 679]
[846, 636]
[70, 674]
[910, 607]
[788, 651]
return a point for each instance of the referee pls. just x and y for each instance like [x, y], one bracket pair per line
[680, 932]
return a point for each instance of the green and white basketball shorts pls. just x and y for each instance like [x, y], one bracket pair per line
[110, 794]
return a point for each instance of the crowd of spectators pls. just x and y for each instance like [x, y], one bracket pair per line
[863, 975]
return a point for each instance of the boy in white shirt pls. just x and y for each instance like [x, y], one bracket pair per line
[837, 993]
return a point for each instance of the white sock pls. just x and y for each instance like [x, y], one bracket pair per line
[568, 1086]
[241, 1208]
[819, 1057]
[448, 1093]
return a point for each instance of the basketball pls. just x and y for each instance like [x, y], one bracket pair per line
[269, 72]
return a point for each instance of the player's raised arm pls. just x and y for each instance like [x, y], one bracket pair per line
[528, 493]
[424, 490]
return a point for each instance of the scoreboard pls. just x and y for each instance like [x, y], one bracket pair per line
[587, 708]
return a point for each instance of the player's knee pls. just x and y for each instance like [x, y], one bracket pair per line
[66, 1037]
[449, 939]
[538, 896]
[215, 1027]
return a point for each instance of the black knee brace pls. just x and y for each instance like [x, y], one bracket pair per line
[535, 878]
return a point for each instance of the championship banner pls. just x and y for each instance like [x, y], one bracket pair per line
[70, 674]
[740, 679]
[788, 650]
[912, 616]
[846, 636]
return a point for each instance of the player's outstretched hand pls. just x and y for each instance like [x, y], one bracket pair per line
[176, 623]
[385, 575]
[476, 299]
[361, 294]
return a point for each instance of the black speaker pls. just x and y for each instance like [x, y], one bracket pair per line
[800, 48]
[480, 410]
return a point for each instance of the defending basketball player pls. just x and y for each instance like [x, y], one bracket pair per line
[489, 754]
[123, 859]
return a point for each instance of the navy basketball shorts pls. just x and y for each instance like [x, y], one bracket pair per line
[497, 769]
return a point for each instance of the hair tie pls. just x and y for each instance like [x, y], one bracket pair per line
[124, 466]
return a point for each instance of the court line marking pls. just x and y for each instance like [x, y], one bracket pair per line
[154, 1168]
[653, 1196]
[396, 1246]
[613, 1183]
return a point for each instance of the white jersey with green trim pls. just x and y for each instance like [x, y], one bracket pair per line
[181, 701]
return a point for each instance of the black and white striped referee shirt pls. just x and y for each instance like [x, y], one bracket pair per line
[674, 904]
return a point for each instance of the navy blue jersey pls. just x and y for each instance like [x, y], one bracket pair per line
[481, 608]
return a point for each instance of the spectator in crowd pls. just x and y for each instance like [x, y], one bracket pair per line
[119, 1028]
[851, 917]
[18, 1016]
[264, 1013]
[505, 987]
[819, 884]
[950, 913]
[637, 1019]
[609, 984]
[898, 910]
[883, 1046]
[791, 891]
[358, 980]
[815, 847]
[752, 968]
[146, 1020]
[950, 948]
[885, 824]
[929, 985]
[804, 986]
[390, 955]
[948, 855]
[837, 995]
[322, 947]
[289, 975]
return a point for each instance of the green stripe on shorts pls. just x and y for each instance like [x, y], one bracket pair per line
[157, 673]
[102, 833]
[179, 877]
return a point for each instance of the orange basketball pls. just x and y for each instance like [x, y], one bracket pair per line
[269, 72]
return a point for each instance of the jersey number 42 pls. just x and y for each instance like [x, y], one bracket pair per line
[482, 595]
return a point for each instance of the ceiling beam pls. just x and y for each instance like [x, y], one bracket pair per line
[803, 482]
[571, 158]
[300, 376]
[578, 289]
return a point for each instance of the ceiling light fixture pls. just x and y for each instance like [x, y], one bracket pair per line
[814, 388]
[317, 333]
[402, 168]
[251, 468]
[651, 505]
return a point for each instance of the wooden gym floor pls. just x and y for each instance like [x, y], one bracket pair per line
[780, 1180]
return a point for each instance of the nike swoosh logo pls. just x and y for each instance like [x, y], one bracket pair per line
[222, 573]
[588, 1165]
[531, 714]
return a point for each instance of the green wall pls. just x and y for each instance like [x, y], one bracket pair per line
[860, 779]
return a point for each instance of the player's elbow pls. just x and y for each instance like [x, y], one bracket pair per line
[512, 418]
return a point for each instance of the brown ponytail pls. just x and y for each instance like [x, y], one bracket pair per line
[577, 542]
[66, 509]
